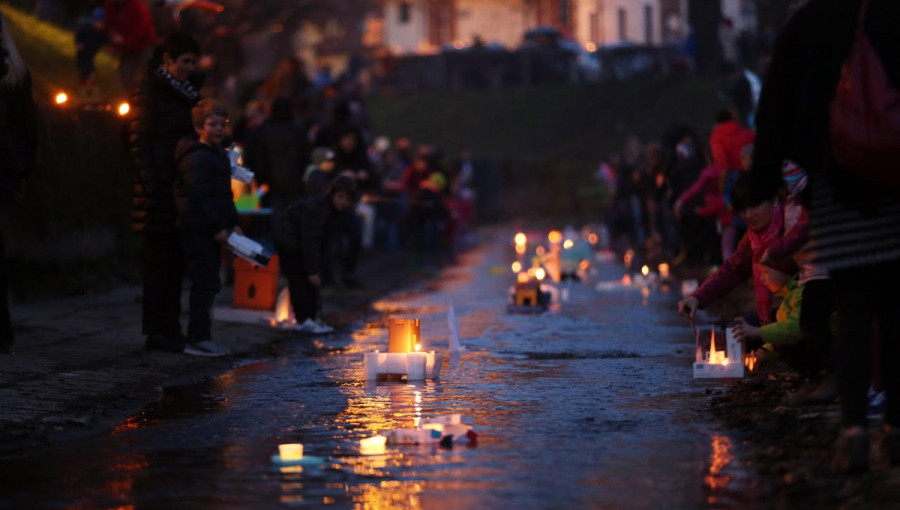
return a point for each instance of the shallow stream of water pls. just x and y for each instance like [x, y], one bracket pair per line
[591, 405]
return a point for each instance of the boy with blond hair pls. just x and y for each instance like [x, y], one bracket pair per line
[206, 217]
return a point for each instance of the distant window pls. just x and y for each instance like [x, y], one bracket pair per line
[404, 12]
[623, 24]
[595, 26]
[648, 24]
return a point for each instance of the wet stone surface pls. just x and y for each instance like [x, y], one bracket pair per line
[590, 405]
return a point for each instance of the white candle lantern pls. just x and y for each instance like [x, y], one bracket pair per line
[290, 451]
[403, 335]
[403, 359]
[718, 364]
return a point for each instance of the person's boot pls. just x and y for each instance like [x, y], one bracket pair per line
[892, 444]
[852, 451]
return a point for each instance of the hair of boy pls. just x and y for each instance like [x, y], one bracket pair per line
[205, 109]
[786, 266]
[342, 183]
[177, 44]
[751, 189]
[724, 115]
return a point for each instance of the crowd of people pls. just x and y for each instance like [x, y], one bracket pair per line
[761, 197]
[822, 229]
[333, 191]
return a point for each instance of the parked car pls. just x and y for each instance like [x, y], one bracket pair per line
[587, 66]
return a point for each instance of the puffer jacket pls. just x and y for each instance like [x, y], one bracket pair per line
[203, 188]
[304, 227]
[160, 116]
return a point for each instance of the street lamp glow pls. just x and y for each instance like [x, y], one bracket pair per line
[123, 109]
[61, 98]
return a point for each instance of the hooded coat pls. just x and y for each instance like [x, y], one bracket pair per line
[203, 189]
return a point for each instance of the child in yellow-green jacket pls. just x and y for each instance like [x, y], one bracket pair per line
[782, 336]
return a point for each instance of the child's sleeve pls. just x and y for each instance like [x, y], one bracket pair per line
[786, 330]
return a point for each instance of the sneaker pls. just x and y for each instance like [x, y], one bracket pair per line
[312, 327]
[206, 348]
[166, 343]
[875, 408]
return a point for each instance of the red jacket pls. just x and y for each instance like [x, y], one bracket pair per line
[726, 141]
[130, 20]
[713, 202]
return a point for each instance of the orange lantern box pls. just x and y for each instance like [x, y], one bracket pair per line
[255, 287]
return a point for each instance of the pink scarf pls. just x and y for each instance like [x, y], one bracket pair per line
[759, 242]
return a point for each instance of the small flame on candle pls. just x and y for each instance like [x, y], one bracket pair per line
[521, 238]
[516, 266]
[645, 270]
[664, 270]
[539, 273]
[418, 347]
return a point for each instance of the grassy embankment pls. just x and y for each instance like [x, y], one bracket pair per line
[49, 52]
[549, 140]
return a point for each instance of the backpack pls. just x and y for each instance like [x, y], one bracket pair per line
[865, 115]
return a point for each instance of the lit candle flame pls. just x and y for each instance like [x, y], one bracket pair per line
[516, 267]
[521, 239]
[555, 236]
[716, 357]
[664, 270]
[645, 270]
[568, 244]
[539, 273]
[61, 98]
[124, 108]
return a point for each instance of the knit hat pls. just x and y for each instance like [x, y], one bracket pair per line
[321, 154]
[791, 173]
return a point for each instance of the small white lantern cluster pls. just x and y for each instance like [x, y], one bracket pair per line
[403, 359]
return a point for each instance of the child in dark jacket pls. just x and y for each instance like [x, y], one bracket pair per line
[206, 217]
[301, 233]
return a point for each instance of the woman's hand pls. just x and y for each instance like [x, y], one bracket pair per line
[687, 307]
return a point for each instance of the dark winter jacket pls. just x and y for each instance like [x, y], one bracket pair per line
[203, 188]
[304, 227]
[792, 118]
[278, 152]
[18, 139]
[159, 118]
